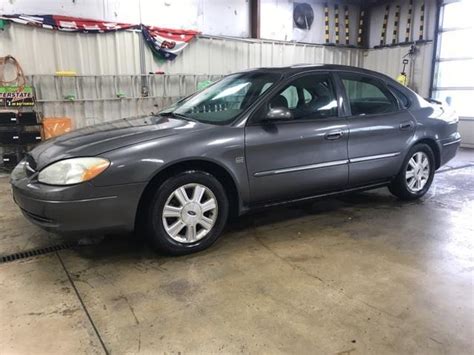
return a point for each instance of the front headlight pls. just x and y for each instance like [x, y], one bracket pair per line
[73, 171]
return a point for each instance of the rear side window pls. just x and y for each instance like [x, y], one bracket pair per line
[368, 96]
[402, 98]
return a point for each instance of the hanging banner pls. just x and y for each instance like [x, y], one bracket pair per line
[66, 23]
[165, 42]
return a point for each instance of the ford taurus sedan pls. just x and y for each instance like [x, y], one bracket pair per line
[253, 139]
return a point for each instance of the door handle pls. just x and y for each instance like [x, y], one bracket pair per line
[334, 135]
[407, 125]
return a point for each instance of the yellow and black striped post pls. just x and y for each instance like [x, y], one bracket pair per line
[422, 21]
[360, 31]
[326, 23]
[408, 29]
[346, 23]
[336, 22]
[383, 35]
[396, 25]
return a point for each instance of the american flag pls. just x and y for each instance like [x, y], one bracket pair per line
[164, 42]
[167, 42]
[66, 23]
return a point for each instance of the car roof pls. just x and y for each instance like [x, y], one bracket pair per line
[299, 68]
[286, 71]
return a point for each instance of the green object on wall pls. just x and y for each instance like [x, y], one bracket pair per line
[203, 84]
[13, 89]
[3, 23]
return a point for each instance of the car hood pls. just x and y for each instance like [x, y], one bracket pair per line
[94, 140]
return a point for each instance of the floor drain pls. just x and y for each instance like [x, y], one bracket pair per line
[35, 252]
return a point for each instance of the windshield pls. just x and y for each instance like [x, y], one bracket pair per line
[222, 102]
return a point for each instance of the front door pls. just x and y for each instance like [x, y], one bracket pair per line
[380, 129]
[301, 156]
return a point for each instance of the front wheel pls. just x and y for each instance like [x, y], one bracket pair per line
[416, 174]
[187, 213]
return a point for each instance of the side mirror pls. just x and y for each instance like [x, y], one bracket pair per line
[278, 114]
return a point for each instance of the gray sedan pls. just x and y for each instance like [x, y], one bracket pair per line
[253, 139]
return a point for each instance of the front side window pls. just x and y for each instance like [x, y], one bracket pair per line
[368, 96]
[308, 97]
[222, 102]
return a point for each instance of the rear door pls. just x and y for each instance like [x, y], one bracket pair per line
[302, 156]
[380, 129]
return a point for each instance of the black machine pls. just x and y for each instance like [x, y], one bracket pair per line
[18, 131]
[19, 122]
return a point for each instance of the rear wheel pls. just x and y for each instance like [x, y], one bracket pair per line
[187, 213]
[416, 175]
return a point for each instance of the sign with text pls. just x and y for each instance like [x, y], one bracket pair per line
[16, 96]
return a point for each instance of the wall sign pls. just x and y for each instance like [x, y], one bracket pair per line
[16, 96]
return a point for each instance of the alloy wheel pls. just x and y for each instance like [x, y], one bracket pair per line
[418, 172]
[190, 213]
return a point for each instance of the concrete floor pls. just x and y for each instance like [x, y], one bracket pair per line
[359, 274]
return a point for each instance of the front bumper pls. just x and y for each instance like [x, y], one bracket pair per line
[78, 208]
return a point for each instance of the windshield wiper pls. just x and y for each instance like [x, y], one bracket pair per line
[177, 115]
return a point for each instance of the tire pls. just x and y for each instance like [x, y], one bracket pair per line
[406, 187]
[196, 212]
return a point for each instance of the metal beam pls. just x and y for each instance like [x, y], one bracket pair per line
[255, 18]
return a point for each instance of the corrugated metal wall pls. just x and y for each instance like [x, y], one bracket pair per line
[42, 52]
[389, 61]
[109, 83]
[223, 56]
[90, 99]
